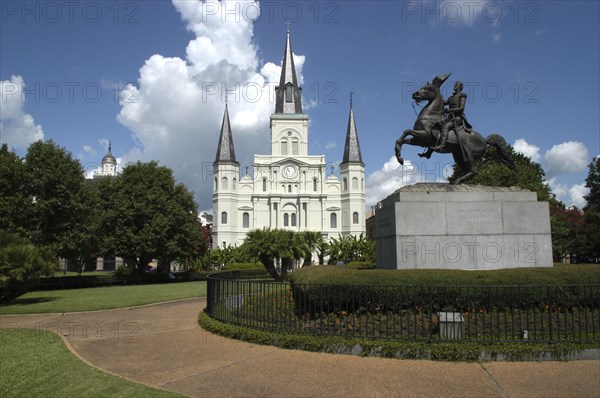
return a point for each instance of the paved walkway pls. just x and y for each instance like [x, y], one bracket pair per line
[163, 346]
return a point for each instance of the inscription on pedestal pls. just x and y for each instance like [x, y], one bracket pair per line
[463, 229]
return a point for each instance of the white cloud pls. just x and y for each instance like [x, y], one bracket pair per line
[17, 128]
[392, 176]
[568, 157]
[527, 149]
[330, 145]
[87, 151]
[176, 110]
[559, 189]
[570, 196]
[576, 194]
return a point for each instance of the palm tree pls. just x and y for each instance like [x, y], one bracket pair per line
[314, 241]
[269, 245]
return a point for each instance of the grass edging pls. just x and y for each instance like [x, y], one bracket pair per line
[454, 352]
[38, 362]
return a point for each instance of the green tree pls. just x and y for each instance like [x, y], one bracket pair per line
[567, 231]
[315, 243]
[54, 182]
[152, 217]
[591, 238]
[270, 246]
[15, 205]
[527, 174]
[84, 242]
[592, 182]
[21, 265]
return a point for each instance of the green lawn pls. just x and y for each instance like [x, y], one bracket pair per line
[36, 363]
[101, 298]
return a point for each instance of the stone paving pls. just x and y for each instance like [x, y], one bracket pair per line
[162, 346]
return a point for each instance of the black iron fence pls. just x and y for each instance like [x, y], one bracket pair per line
[409, 313]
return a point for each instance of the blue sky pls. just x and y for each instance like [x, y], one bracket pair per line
[150, 76]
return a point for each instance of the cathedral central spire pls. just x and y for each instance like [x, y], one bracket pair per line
[288, 93]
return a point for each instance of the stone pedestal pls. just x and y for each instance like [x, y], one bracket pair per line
[437, 225]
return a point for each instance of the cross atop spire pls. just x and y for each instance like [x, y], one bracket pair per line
[225, 150]
[288, 93]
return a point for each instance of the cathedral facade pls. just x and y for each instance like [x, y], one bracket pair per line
[290, 189]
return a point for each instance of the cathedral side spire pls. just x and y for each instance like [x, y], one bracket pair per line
[225, 149]
[352, 152]
[288, 93]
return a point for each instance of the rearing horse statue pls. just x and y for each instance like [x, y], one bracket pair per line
[465, 147]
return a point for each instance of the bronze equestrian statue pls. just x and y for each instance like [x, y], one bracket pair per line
[448, 131]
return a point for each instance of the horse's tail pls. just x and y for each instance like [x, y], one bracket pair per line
[501, 155]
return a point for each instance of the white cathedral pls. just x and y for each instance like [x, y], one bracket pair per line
[290, 189]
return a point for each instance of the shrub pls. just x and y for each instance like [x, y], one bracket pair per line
[21, 265]
[361, 265]
[331, 289]
[240, 266]
[124, 271]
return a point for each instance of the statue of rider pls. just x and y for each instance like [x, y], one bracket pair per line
[455, 117]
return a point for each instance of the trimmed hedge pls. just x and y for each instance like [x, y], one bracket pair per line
[394, 349]
[361, 265]
[110, 279]
[558, 275]
[241, 266]
[331, 288]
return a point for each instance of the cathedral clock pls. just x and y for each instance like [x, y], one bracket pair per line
[290, 171]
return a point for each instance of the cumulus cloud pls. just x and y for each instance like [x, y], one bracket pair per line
[392, 176]
[576, 194]
[568, 157]
[527, 149]
[17, 128]
[175, 111]
[87, 150]
[570, 196]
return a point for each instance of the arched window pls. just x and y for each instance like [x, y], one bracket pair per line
[216, 184]
[224, 218]
[284, 145]
[224, 182]
[293, 219]
[246, 220]
[355, 184]
[315, 184]
[295, 147]
[289, 188]
[234, 183]
[355, 217]
[345, 184]
[286, 220]
[289, 95]
[264, 185]
[333, 220]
